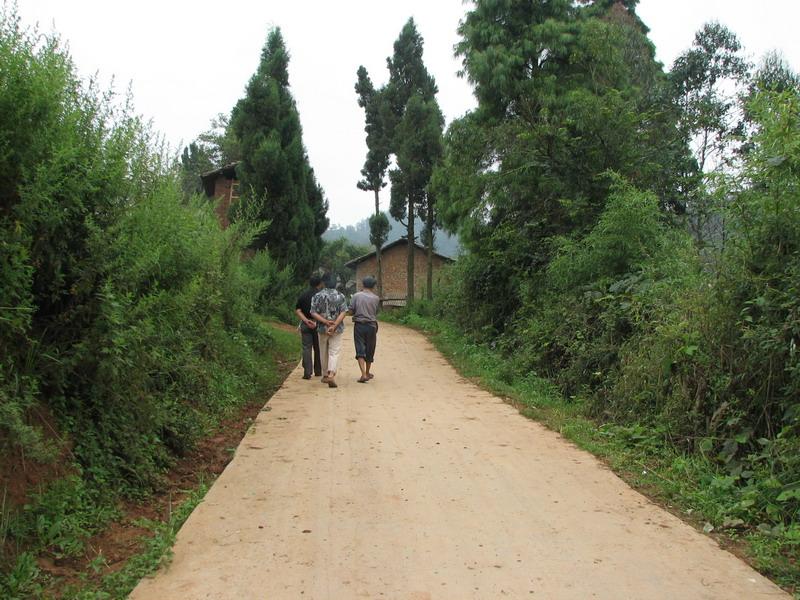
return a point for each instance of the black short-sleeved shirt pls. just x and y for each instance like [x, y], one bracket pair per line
[304, 302]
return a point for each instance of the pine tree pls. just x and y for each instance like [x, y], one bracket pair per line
[377, 161]
[278, 185]
[409, 120]
[195, 160]
[419, 147]
[567, 92]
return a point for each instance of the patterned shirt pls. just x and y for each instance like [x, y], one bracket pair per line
[330, 304]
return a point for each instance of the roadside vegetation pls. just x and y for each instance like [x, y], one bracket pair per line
[633, 256]
[630, 272]
[130, 325]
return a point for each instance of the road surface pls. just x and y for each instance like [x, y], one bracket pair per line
[419, 485]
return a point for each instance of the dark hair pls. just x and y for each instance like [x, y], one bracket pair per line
[330, 280]
[369, 282]
[314, 281]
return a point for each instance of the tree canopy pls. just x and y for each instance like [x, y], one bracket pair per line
[566, 95]
[277, 182]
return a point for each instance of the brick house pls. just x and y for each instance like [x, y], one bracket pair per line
[222, 185]
[394, 260]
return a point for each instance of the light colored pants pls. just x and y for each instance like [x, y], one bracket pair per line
[329, 347]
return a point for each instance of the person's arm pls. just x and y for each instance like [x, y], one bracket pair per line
[321, 319]
[351, 310]
[334, 324]
[339, 318]
[315, 312]
[309, 323]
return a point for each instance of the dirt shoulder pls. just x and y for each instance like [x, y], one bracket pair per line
[421, 485]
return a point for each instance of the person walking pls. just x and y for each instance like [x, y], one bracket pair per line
[308, 329]
[364, 308]
[329, 307]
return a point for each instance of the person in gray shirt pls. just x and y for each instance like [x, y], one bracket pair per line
[364, 308]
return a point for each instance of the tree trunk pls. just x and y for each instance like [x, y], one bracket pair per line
[378, 251]
[430, 250]
[411, 248]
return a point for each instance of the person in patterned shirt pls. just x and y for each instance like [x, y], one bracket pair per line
[329, 307]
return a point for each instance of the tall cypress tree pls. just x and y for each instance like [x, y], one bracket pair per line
[410, 97]
[377, 162]
[277, 182]
[419, 147]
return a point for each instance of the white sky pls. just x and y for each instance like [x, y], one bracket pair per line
[189, 60]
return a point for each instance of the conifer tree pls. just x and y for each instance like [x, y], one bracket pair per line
[377, 161]
[419, 147]
[278, 185]
[410, 120]
[567, 93]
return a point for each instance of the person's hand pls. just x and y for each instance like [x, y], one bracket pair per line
[311, 324]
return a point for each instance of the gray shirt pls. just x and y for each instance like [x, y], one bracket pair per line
[364, 307]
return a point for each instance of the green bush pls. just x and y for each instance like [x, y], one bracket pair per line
[124, 308]
[274, 289]
[632, 319]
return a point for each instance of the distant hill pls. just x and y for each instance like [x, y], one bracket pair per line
[444, 243]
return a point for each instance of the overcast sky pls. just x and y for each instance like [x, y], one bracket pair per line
[189, 60]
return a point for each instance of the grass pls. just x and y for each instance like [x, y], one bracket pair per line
[687, 485]
[156, 553]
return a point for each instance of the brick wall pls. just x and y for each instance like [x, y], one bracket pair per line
[222, 192]
[394, 262]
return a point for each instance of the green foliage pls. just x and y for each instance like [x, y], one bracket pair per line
[404, 119]
[124, 309]
[22, 580]
[378, 143]
[62, 516]
[566, 95]
[336, 253]
[408, 75]
[628, 233]
[195, 161]
[592, 280]
[704, 80]
[72, 165]
[275, 175]
[748, 503]
[274, 289]
[156, 553]
[418, 146]
[379, 229]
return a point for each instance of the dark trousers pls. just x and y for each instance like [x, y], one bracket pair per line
[365, 336]
[310, 339]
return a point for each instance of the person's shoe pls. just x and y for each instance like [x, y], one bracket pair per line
[332, 383]
[363, 379]
[325, 379]
[306, 376]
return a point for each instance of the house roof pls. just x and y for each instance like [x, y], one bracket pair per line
[228, 171]
[400, 241]
[209, 179]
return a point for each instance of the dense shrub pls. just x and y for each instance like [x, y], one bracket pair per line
[124, 308]
[632, 318]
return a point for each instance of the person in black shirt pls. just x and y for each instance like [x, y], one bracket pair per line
[308, 328]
